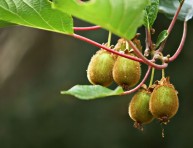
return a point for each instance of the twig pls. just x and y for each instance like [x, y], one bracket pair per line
[141, 58]
[145, 60]
[106, 48]
[178, 51]
[86, 28]
[171, 25]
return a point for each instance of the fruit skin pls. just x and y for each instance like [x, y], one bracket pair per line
[126, 72]
[164, 101]
[99, 70]
[139, 108]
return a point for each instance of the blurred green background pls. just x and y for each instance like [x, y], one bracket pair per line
[36, 65]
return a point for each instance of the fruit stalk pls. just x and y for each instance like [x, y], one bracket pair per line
[152, 76]
[109, 39]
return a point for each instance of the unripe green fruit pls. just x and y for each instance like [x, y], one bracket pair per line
[164, 101]
[99, 70]
[126, 72]
[139, 108]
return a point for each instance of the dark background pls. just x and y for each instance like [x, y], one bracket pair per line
[36, 65]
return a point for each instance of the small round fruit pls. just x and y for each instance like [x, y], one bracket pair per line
[99, 70]
[126, 72]
[139, 108]
[164, 101]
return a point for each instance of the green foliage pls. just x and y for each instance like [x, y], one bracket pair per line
[37, 14]
[4, 24]
[122, 17]
[88, 92]
[151, 13]
[162, 36]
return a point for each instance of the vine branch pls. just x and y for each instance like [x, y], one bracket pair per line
[86, 28]
[171, 25]
[145, 60]
[178, 51]
[175, 17]
[141, 58]
[105, 48]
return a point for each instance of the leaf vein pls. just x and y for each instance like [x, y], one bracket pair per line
[62, 23]
[15, 6]
[13, 13]
[47, 23]
[7, 4]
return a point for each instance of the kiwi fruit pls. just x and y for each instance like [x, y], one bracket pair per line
[164, 101]
[99, 70]
[126, 72]
[139, 108]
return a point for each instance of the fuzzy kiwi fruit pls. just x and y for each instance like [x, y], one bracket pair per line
[164, 101]
[99, 70]
[126, 72]
[139, 108]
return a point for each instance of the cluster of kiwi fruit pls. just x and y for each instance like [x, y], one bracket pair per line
[159, 101]
[105, 67]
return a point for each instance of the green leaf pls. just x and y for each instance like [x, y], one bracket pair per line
[121, 17]
[5, 24]
[151, 13]
[162, 36]
[36, 14]
[88, 92]
[169, 7]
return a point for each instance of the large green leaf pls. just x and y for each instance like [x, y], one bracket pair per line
[5, 24]
[169, 8]
[37, 14]
[151, 13]
[88, 92]
[121, 17]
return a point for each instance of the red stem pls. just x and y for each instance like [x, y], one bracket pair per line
[148, 62]
[178, 51]
[106, 48]
[138, 53]
[175, 18]
[86, 28]
[171, 25]
[140, 84]
[148, 38]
